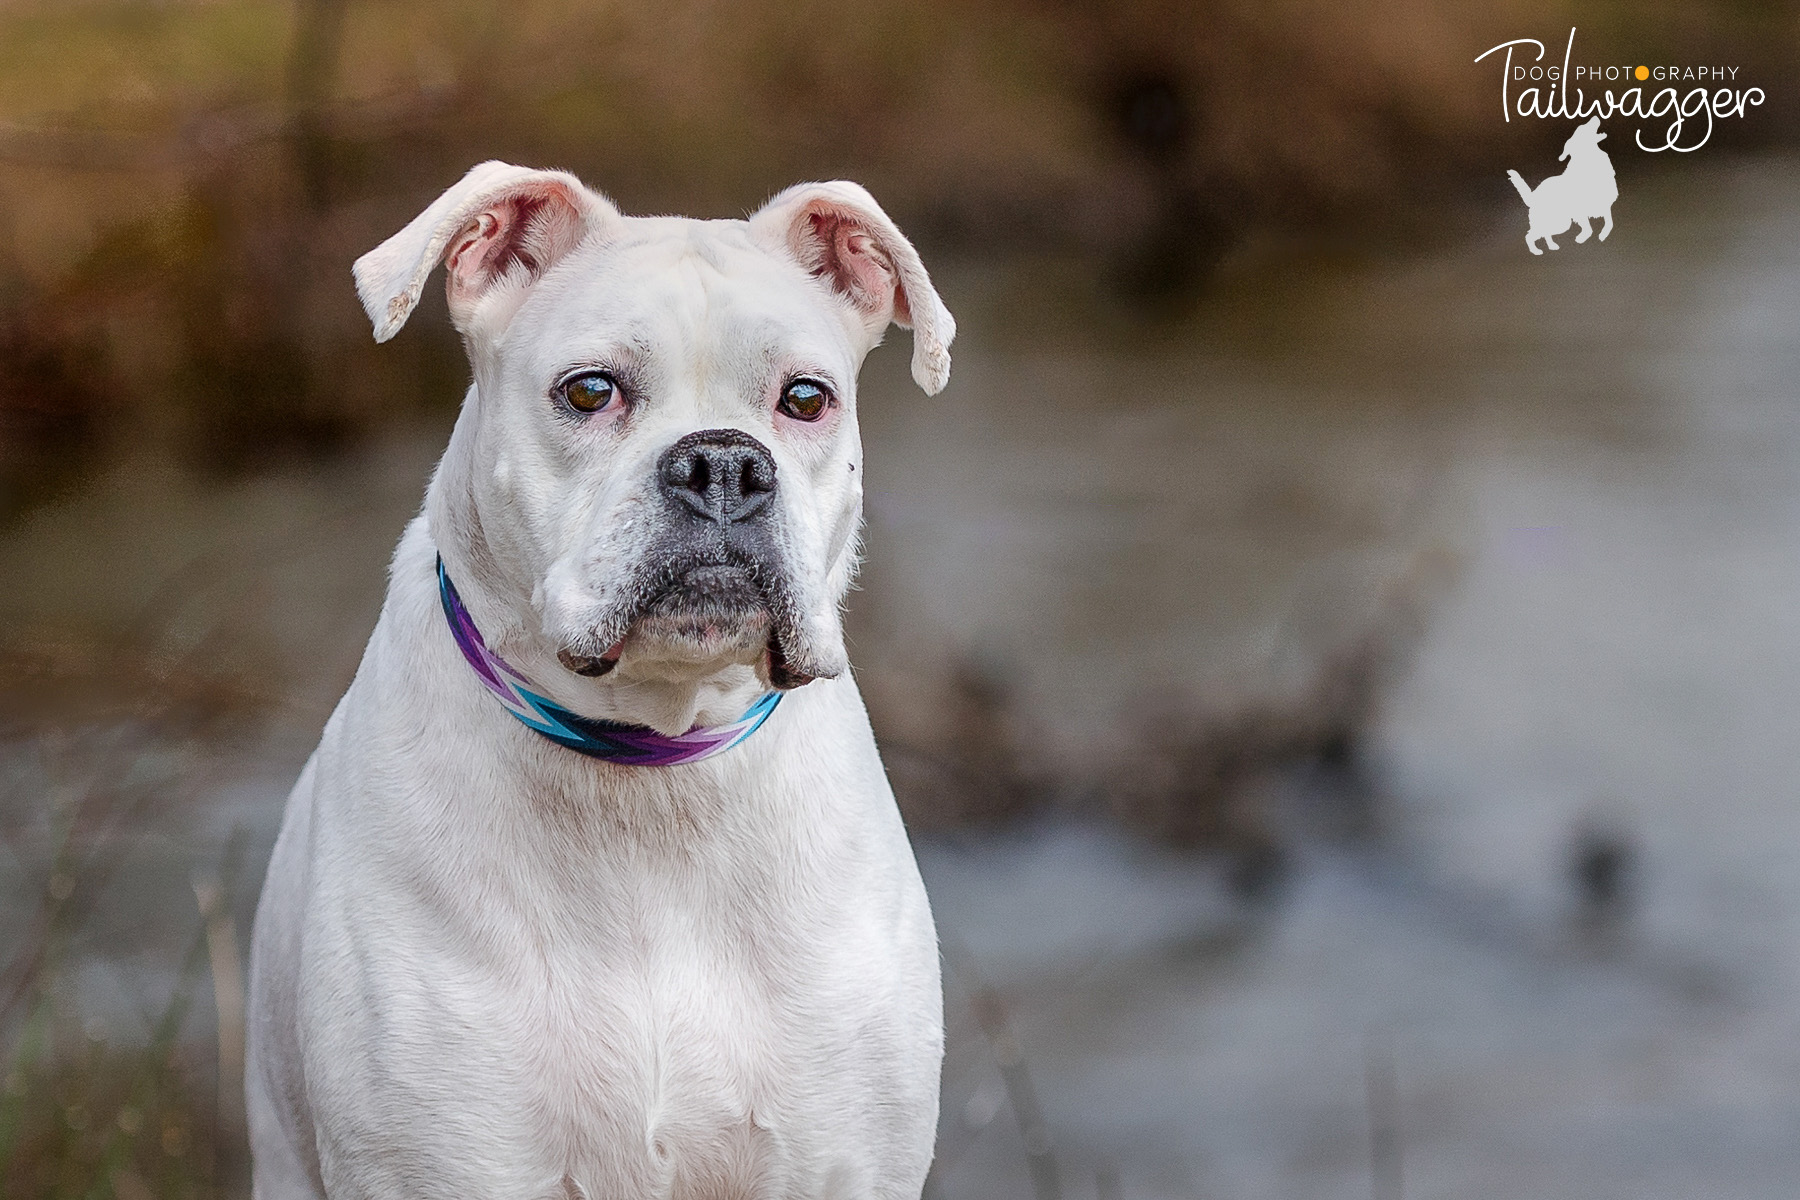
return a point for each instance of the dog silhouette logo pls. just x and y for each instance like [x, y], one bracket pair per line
[1584, 192]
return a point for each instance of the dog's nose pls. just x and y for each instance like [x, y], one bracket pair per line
[722, 475]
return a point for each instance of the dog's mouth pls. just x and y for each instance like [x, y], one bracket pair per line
[700, 613]
[709, 612]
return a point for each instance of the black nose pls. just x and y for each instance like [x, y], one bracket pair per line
[722, 475]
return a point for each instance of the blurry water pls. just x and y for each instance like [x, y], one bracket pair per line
[1117, 520]
[1619, 441]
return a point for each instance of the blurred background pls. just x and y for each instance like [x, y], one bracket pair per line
[1342, 672]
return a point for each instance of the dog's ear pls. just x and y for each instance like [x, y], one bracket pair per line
[497, 230]
[839, 234]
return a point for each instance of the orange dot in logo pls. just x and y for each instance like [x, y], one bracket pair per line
[1642, 72]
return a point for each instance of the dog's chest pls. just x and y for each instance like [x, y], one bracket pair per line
[684, 1030]
[673, 1036]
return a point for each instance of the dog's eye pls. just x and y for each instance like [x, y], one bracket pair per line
[589, 392]
[804, 400]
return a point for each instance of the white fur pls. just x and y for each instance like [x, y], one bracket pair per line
[486, 966]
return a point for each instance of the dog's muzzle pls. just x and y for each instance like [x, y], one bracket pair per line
[717, 556]
[714, 579]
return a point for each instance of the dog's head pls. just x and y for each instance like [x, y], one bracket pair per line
[1587, 137]
[657, 475]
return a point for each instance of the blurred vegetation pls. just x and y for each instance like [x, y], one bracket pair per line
[89, 1109]
[184, 184]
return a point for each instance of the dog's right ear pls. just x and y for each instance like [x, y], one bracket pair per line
[497, 230]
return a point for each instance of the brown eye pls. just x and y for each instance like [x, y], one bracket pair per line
[589, 392]
[804, 400]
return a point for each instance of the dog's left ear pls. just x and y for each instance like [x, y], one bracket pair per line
[499, 228]
[839, 234]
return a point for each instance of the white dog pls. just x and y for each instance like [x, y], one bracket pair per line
[565, 906]
[1584, 191]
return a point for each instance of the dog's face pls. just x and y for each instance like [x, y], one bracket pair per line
[658, 467]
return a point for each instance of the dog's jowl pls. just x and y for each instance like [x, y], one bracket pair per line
[594, 886]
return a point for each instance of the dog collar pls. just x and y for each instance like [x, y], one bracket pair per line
[633, 745]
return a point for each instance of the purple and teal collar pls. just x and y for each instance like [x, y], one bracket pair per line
[633, 745]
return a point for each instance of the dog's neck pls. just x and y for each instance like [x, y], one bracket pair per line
[633, 745]
[504, 612]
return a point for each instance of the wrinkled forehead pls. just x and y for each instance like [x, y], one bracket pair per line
[673, 286]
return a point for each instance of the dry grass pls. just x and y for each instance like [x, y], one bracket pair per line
[89, 1109]
[83, 1118]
